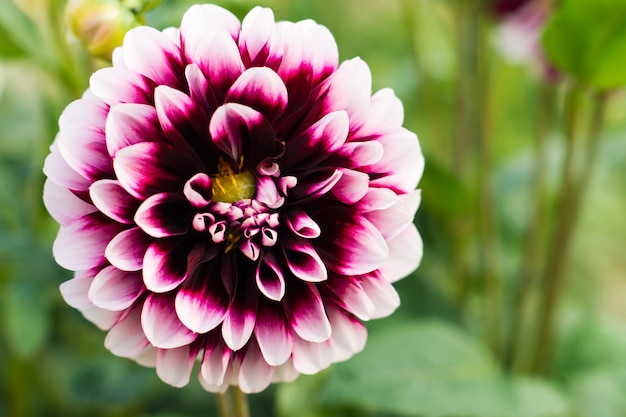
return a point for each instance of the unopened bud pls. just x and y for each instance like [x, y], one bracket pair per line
[100, 25]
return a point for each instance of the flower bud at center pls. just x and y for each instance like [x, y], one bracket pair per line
[229, 187]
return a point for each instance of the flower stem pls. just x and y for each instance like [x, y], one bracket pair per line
[531, 259]
[224, 406]
[240, 401]
[573, 187]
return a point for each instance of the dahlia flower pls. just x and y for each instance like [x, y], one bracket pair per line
[229, 194]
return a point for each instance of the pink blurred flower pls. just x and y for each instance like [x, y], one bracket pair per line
[518, 36]
[228, 193]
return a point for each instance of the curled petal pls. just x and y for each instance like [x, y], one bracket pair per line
[240, 320]
[198, 190]
[269, 278]
[303, 260]
[161, 324]
[302, 224]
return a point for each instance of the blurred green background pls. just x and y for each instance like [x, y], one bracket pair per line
[438, 355]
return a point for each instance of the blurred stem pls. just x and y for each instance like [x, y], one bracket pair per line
[531, 259]
[573, 188]
[224, 406]
[240, 401]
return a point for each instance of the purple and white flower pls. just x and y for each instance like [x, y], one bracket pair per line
[229, 194]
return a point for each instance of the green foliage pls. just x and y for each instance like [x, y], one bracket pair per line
[587, 40]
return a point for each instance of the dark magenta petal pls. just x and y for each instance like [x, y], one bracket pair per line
[303, 260]
[357, 154]
[306, 312]
[165, 264]
[302, 224]
[161, 324]
[200, 89]
[198, 190]
[116, 290]
[148, 52]
[182, 120]
[127, 249]
[120, 85]
[241, 317]
[164, 215]
[113, 200]
[261, 89]
[314, 185]
[80, 245]
[238, 130]
[150, 168]
[269, 277]
[350, 244]
[202, 301]
[272, 333]
[131, 123]
[317, 142]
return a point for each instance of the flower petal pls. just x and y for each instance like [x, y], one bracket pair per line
[126, 337]
[63, 205]
[121, 85]
[75, 290]
[58, 171]
[80, 245]
[273, 334]
[113, 200]
[350, 295]
[85, 151]
[381, 292]
[261, 89]
[163, 215]
[254, 373]
[405, 254]
[309, 358]
[115, 290]
[306, 312]
[303, 260]
[104, 319]
[202, 301]
[301, 224]
[350, 244]
[241, 317]
[351, 187]
[149, 168]
[349, 334]
[174, 366]
[161, 324]
[130, 123]
[152, 54]
[127, 249]
[165, 264]
[239, 130]
[256, 30]
[269, 278]
[214, 369]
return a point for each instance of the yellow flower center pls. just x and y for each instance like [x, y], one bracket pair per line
[229, 187]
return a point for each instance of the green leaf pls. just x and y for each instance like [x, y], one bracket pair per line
[8, 47]
[587, 40]
[432, 368]
[26, 322]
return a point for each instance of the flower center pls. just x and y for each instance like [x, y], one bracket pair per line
[229, 187]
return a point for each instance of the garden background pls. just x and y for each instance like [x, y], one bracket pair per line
[496, 131]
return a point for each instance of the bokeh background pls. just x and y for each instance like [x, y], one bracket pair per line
[447, 351]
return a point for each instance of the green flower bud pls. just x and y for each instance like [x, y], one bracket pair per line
[100, 25]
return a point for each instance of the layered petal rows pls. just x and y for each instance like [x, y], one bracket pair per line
[229, 194]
